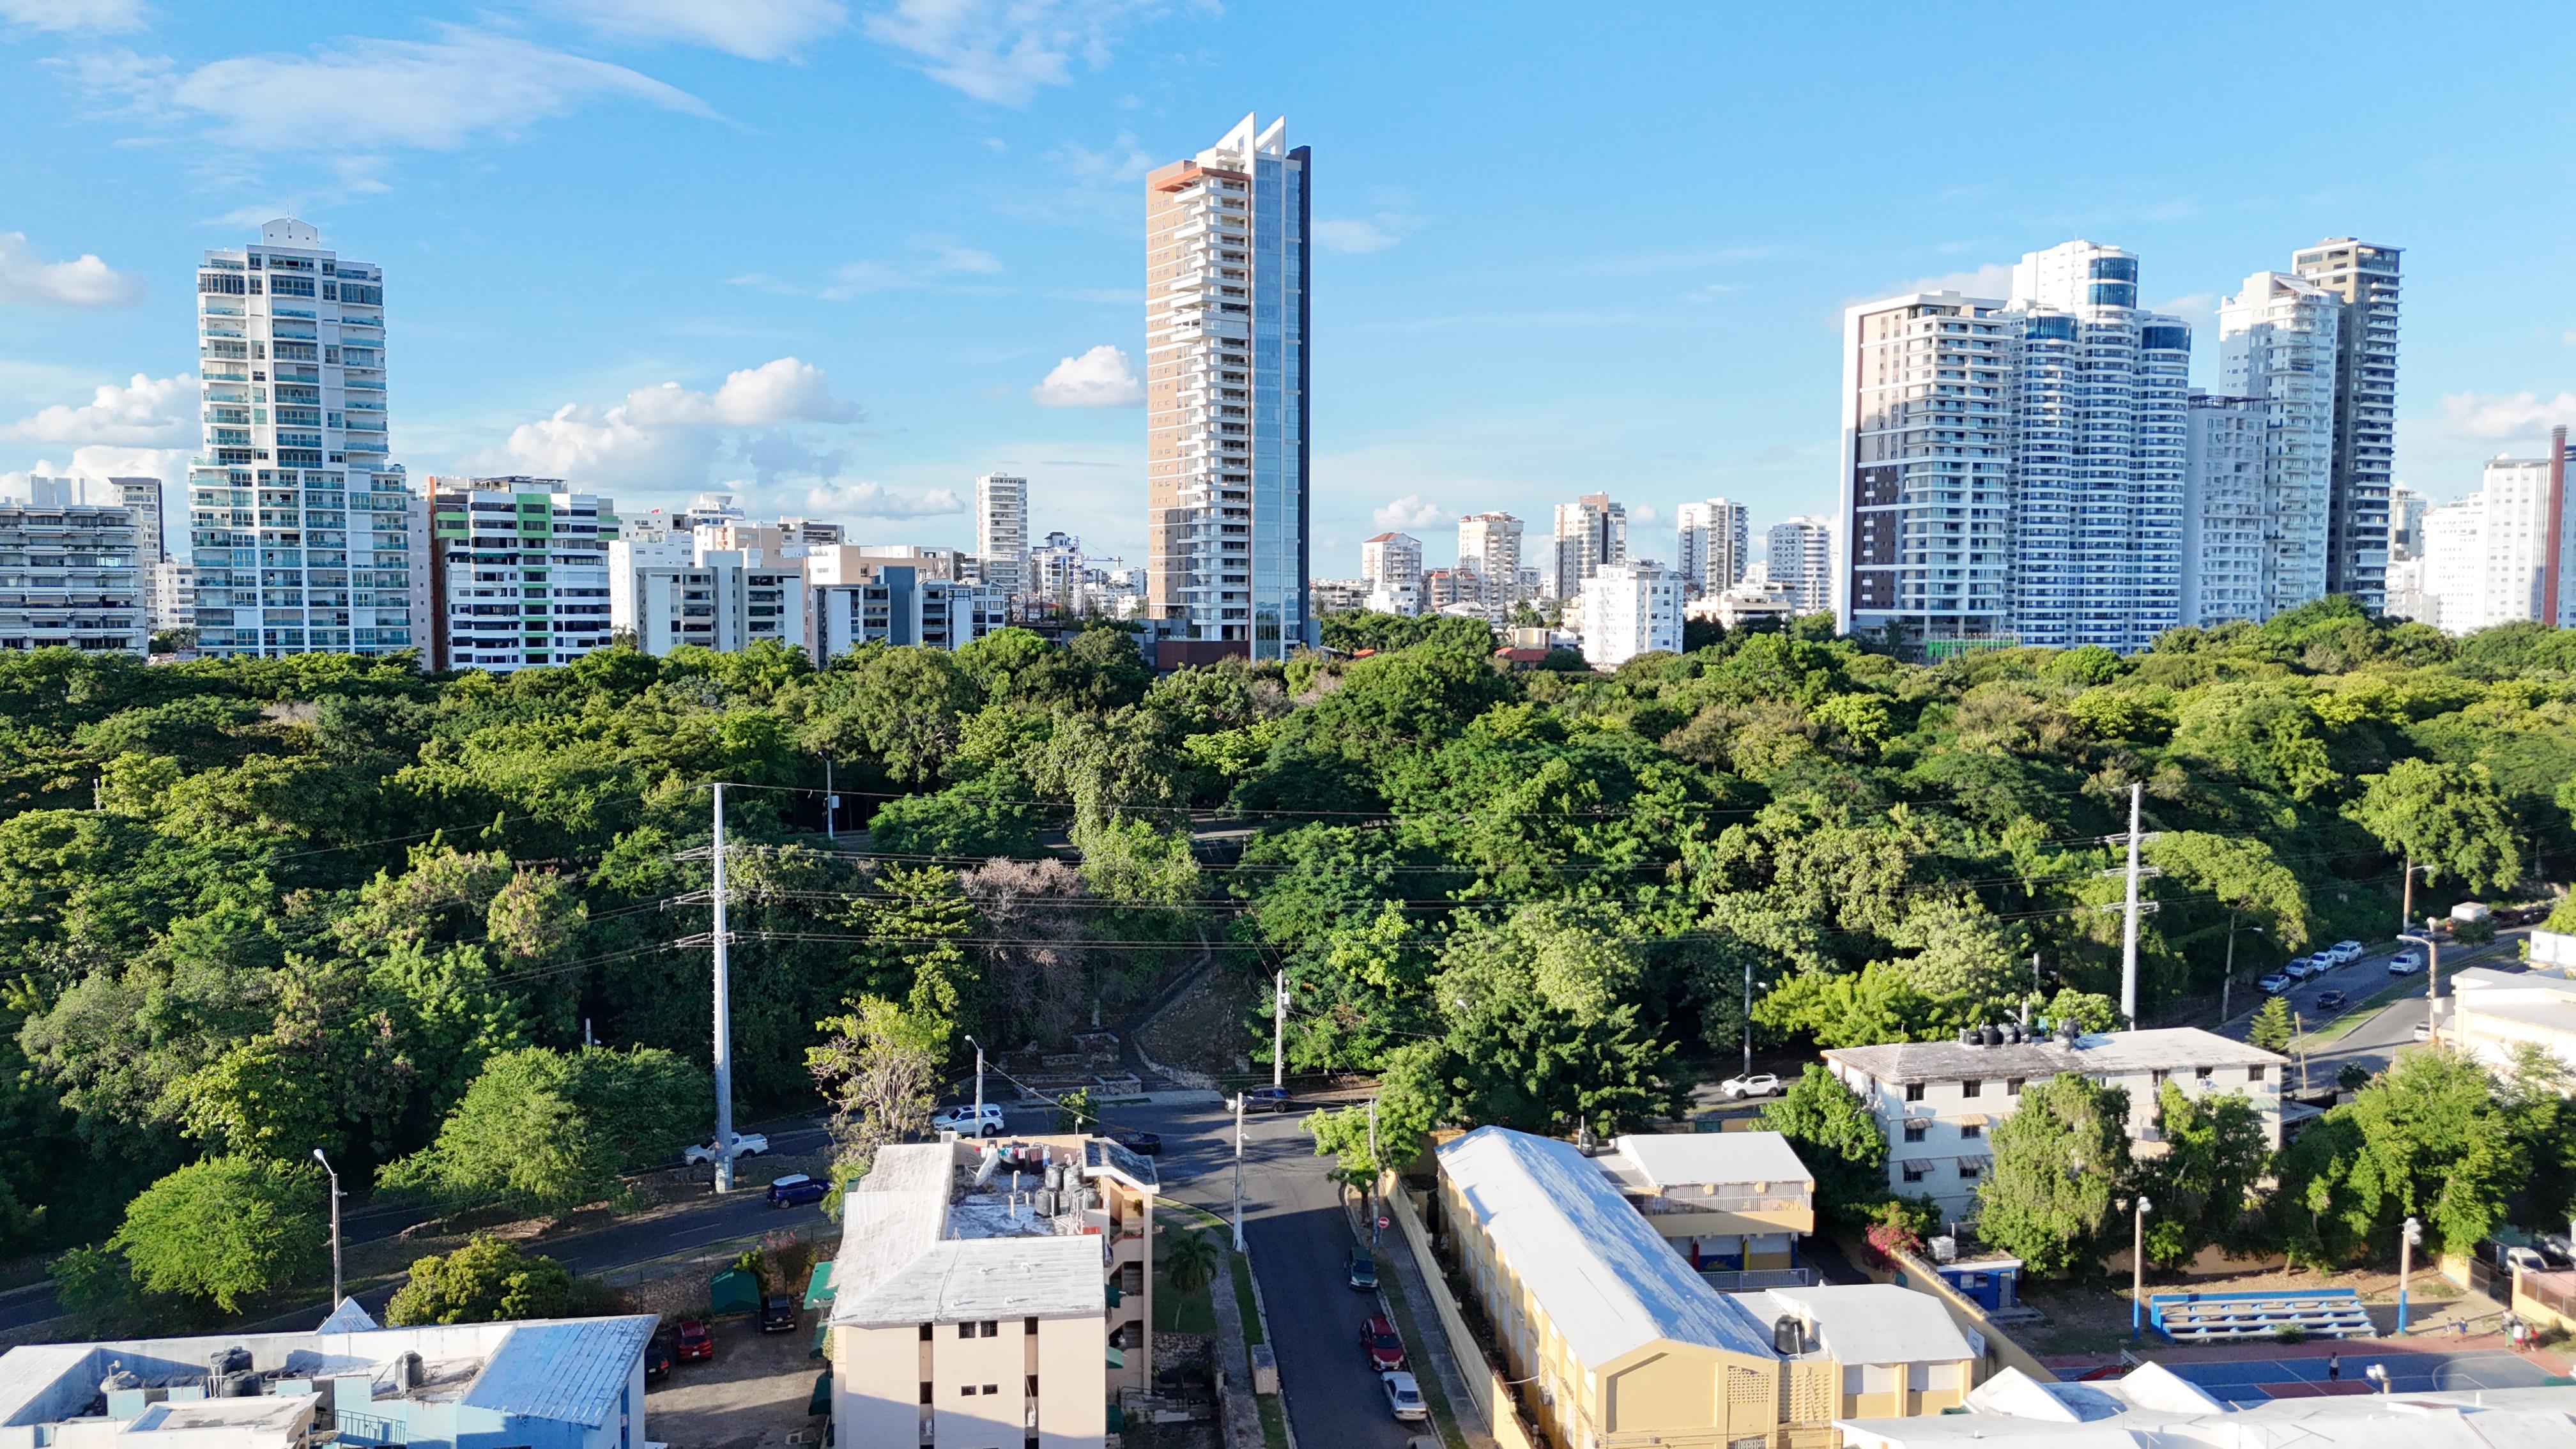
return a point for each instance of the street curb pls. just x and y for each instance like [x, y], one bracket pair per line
[1261, 1310]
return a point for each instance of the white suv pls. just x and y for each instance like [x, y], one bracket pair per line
[2345, 952]
[964, 1122]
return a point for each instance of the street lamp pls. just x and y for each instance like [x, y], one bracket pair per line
[2138, 1269]
[2378, 1374]
[335, 1225]
[2406, 1244]
[1748, 1017]
[979, 1085]
[2228, 982]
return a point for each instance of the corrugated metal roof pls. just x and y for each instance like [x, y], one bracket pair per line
[570, 1372]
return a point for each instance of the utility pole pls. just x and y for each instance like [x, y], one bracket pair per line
[724, 1015]
[335, 1226]
[2432, 985]
[1238, 1172]
[1279, 1033]
[2406, 900]
[2227, 982]
[979, 1086]
[1748, 1030]
[2129, 922]
[831, 803]
[2406, 1242]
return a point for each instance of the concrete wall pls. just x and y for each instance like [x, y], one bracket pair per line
[1490, 1408]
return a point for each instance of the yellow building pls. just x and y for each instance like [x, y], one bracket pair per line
[992, 1295]
[1621, 1344]
[1725, 1200]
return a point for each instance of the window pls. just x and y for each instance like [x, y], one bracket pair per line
[1914, 1131]
[1916, 1171]
[1029, 1325]
[2012, 1088]
[2203, 1074]
[1970, 1169]
[925, 1333]
[991, 1329]
[1971, 1088]
[2254, 1073]
[1914, 1091]
[1033, 1386]
[1971, 1131]
[925, 1391]
[2157, 1077]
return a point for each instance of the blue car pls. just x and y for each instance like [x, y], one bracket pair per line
[796, 1190]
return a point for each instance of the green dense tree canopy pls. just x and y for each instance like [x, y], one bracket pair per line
[489, 1280]
[225, 1229]
[2059, 1161]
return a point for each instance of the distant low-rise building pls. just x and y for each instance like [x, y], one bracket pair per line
[992, 1296]
[1937, 1100]
[572, 1383]
[68, 573]
[2495, 1015]
[1727, 1201]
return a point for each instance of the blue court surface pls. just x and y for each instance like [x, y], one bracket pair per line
[2254, 1380]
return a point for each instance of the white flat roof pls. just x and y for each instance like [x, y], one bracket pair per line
[1677, 1159]
[906, 1257]
[2108, 1053]
[1607, 1281]
[1862, 1323]
[2487, 1419]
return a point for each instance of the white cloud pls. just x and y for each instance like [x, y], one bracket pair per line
[170, 465]
[940, 260]
[1364, 233]
[68, 15]
[2505, 415]
[875, 500]
[1123, 162]
[2567, 338]
[1991, 280]
[668, 435]
[752, 29]
[1644, 513]
[146, 413]
[83, 282]
[1409, 512]
[435, 95]
[1003, 51]
[1100, 378]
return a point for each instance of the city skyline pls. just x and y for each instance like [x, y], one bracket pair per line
[963, 300]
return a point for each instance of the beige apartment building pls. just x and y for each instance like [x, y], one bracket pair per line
[992, 1296]
[1618, 1344]
[1226, 285]
[1726, 1201]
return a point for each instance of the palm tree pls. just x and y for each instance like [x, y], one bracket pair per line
[1189, 1261]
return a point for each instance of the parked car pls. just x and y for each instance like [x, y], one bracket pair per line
[696, 1340]
[2526, 1260]
[1267, 1099]
[1363, 1270]
[1383, 1345]
[2301, 969]
[966, 1123]
[1403, 1395]
[1146, 1144]
[2556, 1247]
[2423, 1031]
[796, 1190]
[1756, 1084]
[778, 1313]
[2405, 963]
[657, 1358]
[2345, 952]
[745, 1144]
[2275, 984]
[2332, 1001]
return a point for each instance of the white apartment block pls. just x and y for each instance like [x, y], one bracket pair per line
[1630, 609]
[68, 575]
[1338, 596]
[857, 597]
[1227, 279]
[1057, 568]
[1936, 1101]
[2223, 543]
[674, 593]
[2406, 509]
[304, 536]
[2364, 280]
[1801, 560]
[1590, 532]
[170, 596]
[2276, 345]
[518, 573]
[2501, 555]
[994, 1297]
[142, 497]
[1002, 531]
[1389, 559]
[1715, 538]
[1490, 544]
[2451, 580]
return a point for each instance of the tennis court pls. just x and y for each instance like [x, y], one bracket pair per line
[2254, 1380]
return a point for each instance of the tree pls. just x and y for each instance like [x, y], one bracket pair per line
[2271, 1026]
[543, 1131]
[486, 1281]
[1189, 1260]
[1838, 1139]
[2058, 1160]
[2203, 1183]
[225, 1229]
[2425, 1138]
[2445, 819]
[878, 1066]
[1074, 1111]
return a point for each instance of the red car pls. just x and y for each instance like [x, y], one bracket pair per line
[695, 1341]
[1379, 1340]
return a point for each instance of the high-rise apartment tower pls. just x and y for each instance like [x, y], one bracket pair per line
[1002, 531]
[1590, 531]
[2364, 278]
[304, 535]
[1490, 544]
[1226, 388]
[1715, 542]
[2276, 345]
[1802, 560]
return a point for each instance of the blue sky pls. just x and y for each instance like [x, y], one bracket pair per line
[1566, 249]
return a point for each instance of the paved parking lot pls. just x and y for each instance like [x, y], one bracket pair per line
[2256, 1380]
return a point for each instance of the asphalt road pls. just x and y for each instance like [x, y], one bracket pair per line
[2375, 1042]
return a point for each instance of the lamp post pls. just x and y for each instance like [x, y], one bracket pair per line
[1748, 1018]
[335, 1225]
[2227, 983]
[979, 1085]
[2138, 1268]
[2406, 1242]
[2378, 1374]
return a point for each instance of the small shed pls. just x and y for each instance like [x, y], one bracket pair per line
[733, 1291]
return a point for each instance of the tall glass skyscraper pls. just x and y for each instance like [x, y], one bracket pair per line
[304, 535]
[1226, 287]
